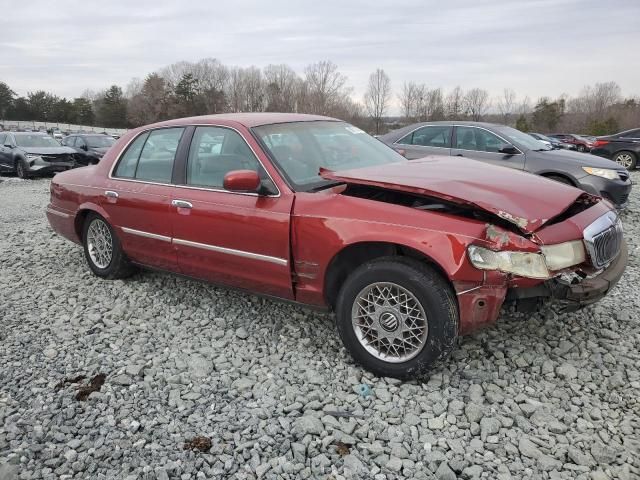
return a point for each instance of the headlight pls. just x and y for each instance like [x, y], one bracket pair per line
[564, 255]
[523, 264]
[602, 172]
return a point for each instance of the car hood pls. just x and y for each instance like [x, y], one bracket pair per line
[576, 158]
[526, 200]
[47, 150]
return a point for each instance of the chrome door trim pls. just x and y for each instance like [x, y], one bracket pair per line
[140, 233]
[231, 251]
[56, 212]
[117, 160]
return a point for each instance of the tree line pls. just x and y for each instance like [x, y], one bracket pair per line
[209, 87]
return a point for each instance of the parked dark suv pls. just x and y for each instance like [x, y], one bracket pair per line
[623, 148]
[33, 153]
[508, 147]
[89, 148]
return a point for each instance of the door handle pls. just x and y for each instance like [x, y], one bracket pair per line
[111, 194]
[181, 204]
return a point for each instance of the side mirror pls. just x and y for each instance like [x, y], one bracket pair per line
[84, 147]
[8, 145]
[509, 150]
[242, 181]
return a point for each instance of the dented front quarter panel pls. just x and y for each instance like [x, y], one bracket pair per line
[325, 223]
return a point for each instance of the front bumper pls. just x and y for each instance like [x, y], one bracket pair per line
[46, 168]
[576, 295]
[616, 191]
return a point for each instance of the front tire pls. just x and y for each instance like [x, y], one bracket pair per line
[21, 169]
[581, 148]
[102, 249]
[627, 159]
[397, 317]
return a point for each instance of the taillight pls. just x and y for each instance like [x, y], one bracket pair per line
[600, 143]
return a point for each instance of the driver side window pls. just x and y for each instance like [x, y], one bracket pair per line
[216, 151]
[479, 140]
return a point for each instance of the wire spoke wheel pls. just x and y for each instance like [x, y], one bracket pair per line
[100, 243]
[389, 322]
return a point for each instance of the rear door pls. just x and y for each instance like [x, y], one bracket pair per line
[427, 140]
[237, 239]
[5, 153]
[480, 144]
[138, 194]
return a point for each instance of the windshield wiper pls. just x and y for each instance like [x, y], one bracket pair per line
[324, 186]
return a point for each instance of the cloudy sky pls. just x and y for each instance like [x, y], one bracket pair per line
[536, 47]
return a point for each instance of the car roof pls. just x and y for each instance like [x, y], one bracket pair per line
[30, 133]
[247, 119]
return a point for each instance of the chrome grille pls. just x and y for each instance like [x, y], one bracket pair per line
[603, 239]
[56, 158]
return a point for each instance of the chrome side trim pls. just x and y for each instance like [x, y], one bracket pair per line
[140, 233]
[231, 251]
[56, 212]
[117, 160]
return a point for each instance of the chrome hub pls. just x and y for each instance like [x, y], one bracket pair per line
[99, 243]
[389, 322]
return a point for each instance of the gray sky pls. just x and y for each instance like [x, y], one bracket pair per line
[536, 47]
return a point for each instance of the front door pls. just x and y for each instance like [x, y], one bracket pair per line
[236, 239]
[138, 197]
[481, 144]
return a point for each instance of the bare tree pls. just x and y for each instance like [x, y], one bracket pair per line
[506, 105]
[454, 106]
[407, 98]
[377, 96]
[280, 88]
[325, 86]
[476, 102]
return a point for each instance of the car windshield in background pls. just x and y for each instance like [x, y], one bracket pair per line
[522, 140]
[100, 141]
[36, 141]
[301, 149]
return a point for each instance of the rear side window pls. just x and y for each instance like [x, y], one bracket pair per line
[150, 157]
[632, 134]
[431, 136]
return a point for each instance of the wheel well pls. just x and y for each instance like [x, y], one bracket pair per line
[634, 154]
[558, 175]
[79, 221]
[351, 257]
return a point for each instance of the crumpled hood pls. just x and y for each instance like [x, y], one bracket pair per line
[47, 150]
[524, 199]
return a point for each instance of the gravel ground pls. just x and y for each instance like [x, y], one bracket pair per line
[272, 390]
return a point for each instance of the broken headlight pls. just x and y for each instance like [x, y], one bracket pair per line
[564, 255]
[523, 264]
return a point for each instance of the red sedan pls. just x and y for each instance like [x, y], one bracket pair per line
[310, 209]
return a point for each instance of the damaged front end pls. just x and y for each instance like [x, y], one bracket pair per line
[529, 239]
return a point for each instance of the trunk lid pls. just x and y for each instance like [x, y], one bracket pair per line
[526, 200]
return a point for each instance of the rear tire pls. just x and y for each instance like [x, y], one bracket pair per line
[102, 249]
[397, 317]
[627, 159]
[21, 169]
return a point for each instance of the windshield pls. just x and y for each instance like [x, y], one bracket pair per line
[100, 141]
[36, 141]
[301, 149]
[522, 140]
